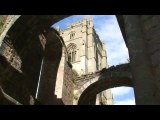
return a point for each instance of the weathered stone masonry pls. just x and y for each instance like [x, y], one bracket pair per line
[7, 50]
[114, 76]
[141, 34]
[27, 47]
[68, 85]
[26, 43]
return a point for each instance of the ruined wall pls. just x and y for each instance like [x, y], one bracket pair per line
[67, 94]
[8, 51]
[114, 76]
[151, 33]
[141, 34]
[1, 24]
[10, 71]
[21, 53]
[23, 42]
[151, 30]
[81, 82]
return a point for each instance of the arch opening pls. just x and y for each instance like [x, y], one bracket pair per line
[109, 78]
[123, 95]
[22, 50]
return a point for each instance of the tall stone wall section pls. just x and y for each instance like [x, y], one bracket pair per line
[151, 32]
[2, 22]
[7, 51]
[67, 94]
[20, 62]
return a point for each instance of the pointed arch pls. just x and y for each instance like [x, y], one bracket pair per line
[72, 51]
[115, 76]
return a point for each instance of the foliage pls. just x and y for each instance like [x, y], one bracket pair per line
[1, 21]
[75, 95]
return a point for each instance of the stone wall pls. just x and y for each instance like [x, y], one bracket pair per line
[2, 22]
[26, 43]
[7, 50]
[141, 34]
[21, 54]
[151, 30]
[81, 82]
[22, 51]
[106, 97]
[151, 33]
[67, 94]
[114, 76]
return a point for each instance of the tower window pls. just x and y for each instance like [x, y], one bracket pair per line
[72, 52]
[72, 35]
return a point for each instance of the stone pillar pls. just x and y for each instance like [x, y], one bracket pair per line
[107, 97]
[84, 49]
[47, 93]
[144, 86]
[91, 60]
[60, 77]
[91, 50]
[104, 56]
[98, 99]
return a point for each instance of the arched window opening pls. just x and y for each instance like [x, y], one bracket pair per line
[72, 52]
[69, 57]
[72, 35]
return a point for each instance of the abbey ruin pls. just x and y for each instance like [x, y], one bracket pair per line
[87, 54]
[37, 62]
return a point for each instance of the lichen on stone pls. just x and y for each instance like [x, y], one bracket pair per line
[2, 20]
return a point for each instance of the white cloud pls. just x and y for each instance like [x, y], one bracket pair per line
[123, 96]
[121, 91]
[125, 102]
[109, 32]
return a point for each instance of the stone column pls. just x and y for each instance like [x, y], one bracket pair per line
[144, 86]
[48, 94]
[91, 51]
[104, 56]
[98, 99]
[84, 50]
[60, 77]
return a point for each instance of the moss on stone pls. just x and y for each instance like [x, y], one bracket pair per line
[2, 20]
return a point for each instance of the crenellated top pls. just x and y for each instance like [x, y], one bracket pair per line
[88, 22]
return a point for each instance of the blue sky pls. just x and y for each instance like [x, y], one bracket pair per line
[109, 32]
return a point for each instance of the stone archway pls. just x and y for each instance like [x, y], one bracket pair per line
[109, 78]
[143, 62]
[23, 45]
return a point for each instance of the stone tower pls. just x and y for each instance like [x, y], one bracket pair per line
[85, 50]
